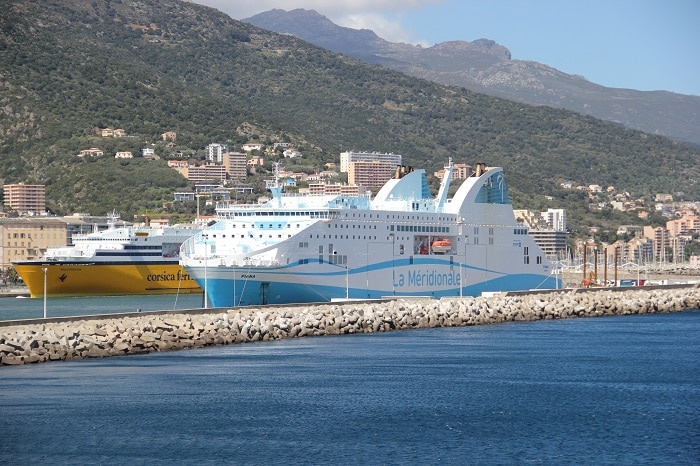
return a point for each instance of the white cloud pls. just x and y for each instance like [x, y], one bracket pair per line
[381, 16]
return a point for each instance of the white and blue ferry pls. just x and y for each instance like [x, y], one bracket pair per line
[403, 242]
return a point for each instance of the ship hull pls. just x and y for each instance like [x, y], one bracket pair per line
[434, 278]
[105, 278]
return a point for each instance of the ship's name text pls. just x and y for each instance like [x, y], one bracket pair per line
[168, 277]
[428, 278]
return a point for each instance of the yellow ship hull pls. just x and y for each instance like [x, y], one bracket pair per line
[105, 279]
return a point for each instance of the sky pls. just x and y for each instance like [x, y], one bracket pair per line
[635, 44]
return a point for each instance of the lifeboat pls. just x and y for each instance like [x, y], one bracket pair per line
[441, 246]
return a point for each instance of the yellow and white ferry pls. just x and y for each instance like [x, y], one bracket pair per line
[117, 261]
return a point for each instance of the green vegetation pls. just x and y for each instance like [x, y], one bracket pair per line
[70, 66]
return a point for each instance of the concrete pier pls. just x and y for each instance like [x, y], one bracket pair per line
[23, 342]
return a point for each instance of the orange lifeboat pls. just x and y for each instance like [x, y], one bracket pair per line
[441, 246]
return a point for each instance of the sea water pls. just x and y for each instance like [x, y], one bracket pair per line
[12, 308]
[608, 390]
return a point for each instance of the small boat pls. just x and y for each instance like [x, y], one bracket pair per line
[441, 246]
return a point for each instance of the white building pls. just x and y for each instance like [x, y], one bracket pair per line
[347, 157]
[215, 152]
[252, 146]
[148, 153]
[555, 218]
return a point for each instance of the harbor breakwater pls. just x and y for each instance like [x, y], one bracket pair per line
[102, 336]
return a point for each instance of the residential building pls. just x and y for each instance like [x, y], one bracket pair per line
[26, 199]
[533, 219]
[215, 152]
[555, 218]
[236, 164]
[252, 146]
[169, 136]
[460, 171]
[661, 240]
[291, 153]
[632, 230]
[683, 226]
[639, 249]
[148, 153]
[182, 196]
[91, 152]
[29, 238]
[372, 175]
[204, 173]
[178, 163]
[256, 161]
[552, 242]
[318, 189]
[346, 158]
[124, 155]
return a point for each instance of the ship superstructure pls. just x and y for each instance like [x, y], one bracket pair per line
[403, 242]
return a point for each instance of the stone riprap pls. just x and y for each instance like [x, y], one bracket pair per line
[104, 336]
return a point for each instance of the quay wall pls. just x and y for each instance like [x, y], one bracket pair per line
[23, 342]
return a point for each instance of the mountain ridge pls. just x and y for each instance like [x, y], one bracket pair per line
[486, 67]
[152, 66]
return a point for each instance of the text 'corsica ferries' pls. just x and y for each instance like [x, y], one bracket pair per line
[404, 242]
[117, 261]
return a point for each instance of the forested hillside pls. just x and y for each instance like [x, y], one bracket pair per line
[68, 67]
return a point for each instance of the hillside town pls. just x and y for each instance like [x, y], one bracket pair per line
[28, 231]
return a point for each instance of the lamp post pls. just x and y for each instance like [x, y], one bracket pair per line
[206, 283]
[45, 269]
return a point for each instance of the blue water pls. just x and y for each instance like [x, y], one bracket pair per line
[33, 308]
[619, 390]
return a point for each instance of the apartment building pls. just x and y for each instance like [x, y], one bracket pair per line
[29, 238]
[661, 240]
[552, 243]
[25, 198]
[236, 164]
[318, 189]
[346, 158]
[204, 173]
[372, 175]
[215, 152]
[460, 171]
[683, 226]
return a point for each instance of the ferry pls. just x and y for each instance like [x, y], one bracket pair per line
[117, 261]
[403, 242]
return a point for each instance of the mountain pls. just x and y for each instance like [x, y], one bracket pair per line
[485, 66]
[151, 66]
